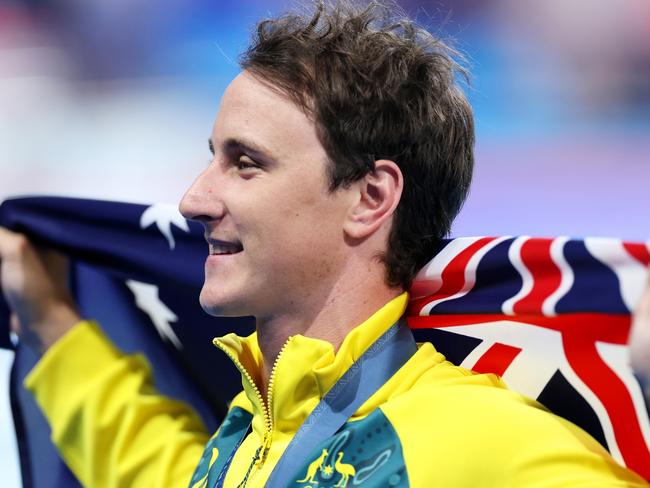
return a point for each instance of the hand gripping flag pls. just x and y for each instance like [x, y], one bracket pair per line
[551, 316]
[138, 271]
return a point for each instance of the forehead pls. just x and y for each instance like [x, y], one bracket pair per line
[253, 111]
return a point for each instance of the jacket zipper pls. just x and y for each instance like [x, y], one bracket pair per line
[267, 407]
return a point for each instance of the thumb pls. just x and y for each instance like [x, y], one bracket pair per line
[9, 242]
[14, 324]
[640, 334]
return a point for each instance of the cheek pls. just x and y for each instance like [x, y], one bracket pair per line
[293, 239]
[297, 217]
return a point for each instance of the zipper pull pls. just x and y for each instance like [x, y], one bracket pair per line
[256, 457]
[264, 448]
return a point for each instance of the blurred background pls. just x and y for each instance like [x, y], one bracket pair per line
[115, 99]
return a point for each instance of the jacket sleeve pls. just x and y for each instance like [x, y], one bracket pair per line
[468, 427]
[111, 426]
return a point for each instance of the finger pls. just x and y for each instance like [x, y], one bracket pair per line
[55, 263]
[11, 242]
[642, 311]
[14, 324]
[641, 316]
[640, 335]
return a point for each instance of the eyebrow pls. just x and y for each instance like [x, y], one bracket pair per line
[234, 143]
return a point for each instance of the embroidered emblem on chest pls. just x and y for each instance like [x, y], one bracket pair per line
[364, 453]
[315, 466]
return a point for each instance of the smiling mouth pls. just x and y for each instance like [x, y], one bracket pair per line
[222, 248]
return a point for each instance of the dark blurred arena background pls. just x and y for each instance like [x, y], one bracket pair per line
[115, 99]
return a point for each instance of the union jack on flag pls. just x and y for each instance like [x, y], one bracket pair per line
[552, 317]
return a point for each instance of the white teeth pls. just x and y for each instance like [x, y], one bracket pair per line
[224, 248]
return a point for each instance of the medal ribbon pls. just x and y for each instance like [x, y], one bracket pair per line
[367, 374]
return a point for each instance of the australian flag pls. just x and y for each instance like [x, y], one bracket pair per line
[551, 316]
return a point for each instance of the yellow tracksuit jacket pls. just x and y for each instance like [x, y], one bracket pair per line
[431, 425]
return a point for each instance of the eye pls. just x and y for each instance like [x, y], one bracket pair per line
[211, 147]
[245, 163]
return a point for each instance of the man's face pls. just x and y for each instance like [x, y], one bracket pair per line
[274, 229]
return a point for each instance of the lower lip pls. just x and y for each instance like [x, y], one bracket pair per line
[215, 258]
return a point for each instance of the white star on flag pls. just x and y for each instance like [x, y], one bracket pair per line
[164, 215]
[147, 300]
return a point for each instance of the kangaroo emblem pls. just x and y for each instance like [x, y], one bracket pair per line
[314, 466]
[345, 470]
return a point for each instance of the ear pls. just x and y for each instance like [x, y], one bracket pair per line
[379, 193]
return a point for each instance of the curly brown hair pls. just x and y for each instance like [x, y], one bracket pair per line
[378, 87]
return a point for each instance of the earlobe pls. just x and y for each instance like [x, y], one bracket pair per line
[379, 194]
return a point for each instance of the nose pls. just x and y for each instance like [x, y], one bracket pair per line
[201, 201]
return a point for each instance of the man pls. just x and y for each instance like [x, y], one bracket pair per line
[342, 152]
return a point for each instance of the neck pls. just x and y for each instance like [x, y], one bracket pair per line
[330, 320]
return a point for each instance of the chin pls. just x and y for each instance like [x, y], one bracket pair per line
[218, 305]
